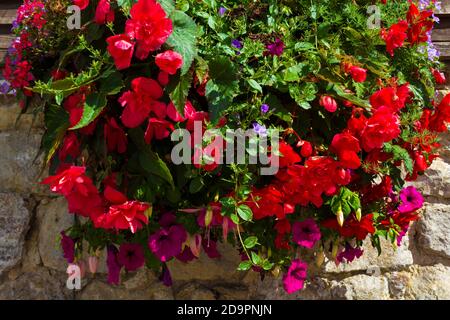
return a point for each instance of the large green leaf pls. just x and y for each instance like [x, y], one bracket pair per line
[183, 38]
[178, 90]
[94, 105]
[150, 160]
[56, 122]
[112, 85]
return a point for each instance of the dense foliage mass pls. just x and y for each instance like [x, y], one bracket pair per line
[350, 87]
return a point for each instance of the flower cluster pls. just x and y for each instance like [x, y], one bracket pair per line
[355, 108]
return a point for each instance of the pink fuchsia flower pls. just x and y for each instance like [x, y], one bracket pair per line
[349, 254]
[93, 264]
[294, 278]
[68, 247]
[113, 265]
[306, 233]
[131, 256]
[328, 103]
[166, 243]
[210, 248]
[169, 61]
[411, 200]
[165, 277]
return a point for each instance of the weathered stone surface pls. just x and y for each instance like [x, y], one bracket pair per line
[423, 283]
[361, 287]
[52, 218]
[141, 285]
[433, 230]
[10, 120]
[14, 220]
[37, 285]
[436, 180]
[20, 173]
[206, 269]
[194, 291]
[390, 257]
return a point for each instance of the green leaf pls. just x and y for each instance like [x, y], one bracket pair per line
[196, 185]
[400, 154]
[267, 265]
[350, 97]
[149, 160]
[222, 70]
[94, 105]
[245, 212]
[168, 6]
[250, 242]
[245, 265]
[57, 122]
[112, 85]
[183, 38]
[256, 258]
[179, 90]
[255, 85]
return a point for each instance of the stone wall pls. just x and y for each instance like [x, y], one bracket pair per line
[32, 267]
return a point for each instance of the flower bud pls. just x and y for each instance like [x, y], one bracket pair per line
[276, 271]
[328, 103]
[334, 251]
[93, 264]
[208, 216]
[340, 217]
[358, 214]
[320, 258]
[148, 213]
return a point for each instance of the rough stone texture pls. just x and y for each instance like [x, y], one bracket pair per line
[433, 230]
[436, 180]
[20, 171]
[13, 119]
[32, 266]
[52, 218]
[14, 219]
[142, 285]
[390, 257]
[36, 285]
[223, 268]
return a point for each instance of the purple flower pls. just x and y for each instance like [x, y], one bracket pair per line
[165, 277]
[265, 108]
[411, 200]
[186, 255]
[237, 44]
[294, 278]
[113, 265]
[276, 48]
[131, 256]
[210, 248]
[306, 233]
[4, 87]
[349, 254]
[166, 243]
[222, 11]
[68, 247]
[259, 129]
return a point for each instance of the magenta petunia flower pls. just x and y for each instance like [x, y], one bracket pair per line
[131, 256]
[113, 265]
[68, 247]
[306, 233]
[276, 48]
[166, 243]
[294, 278]
[411, 200]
